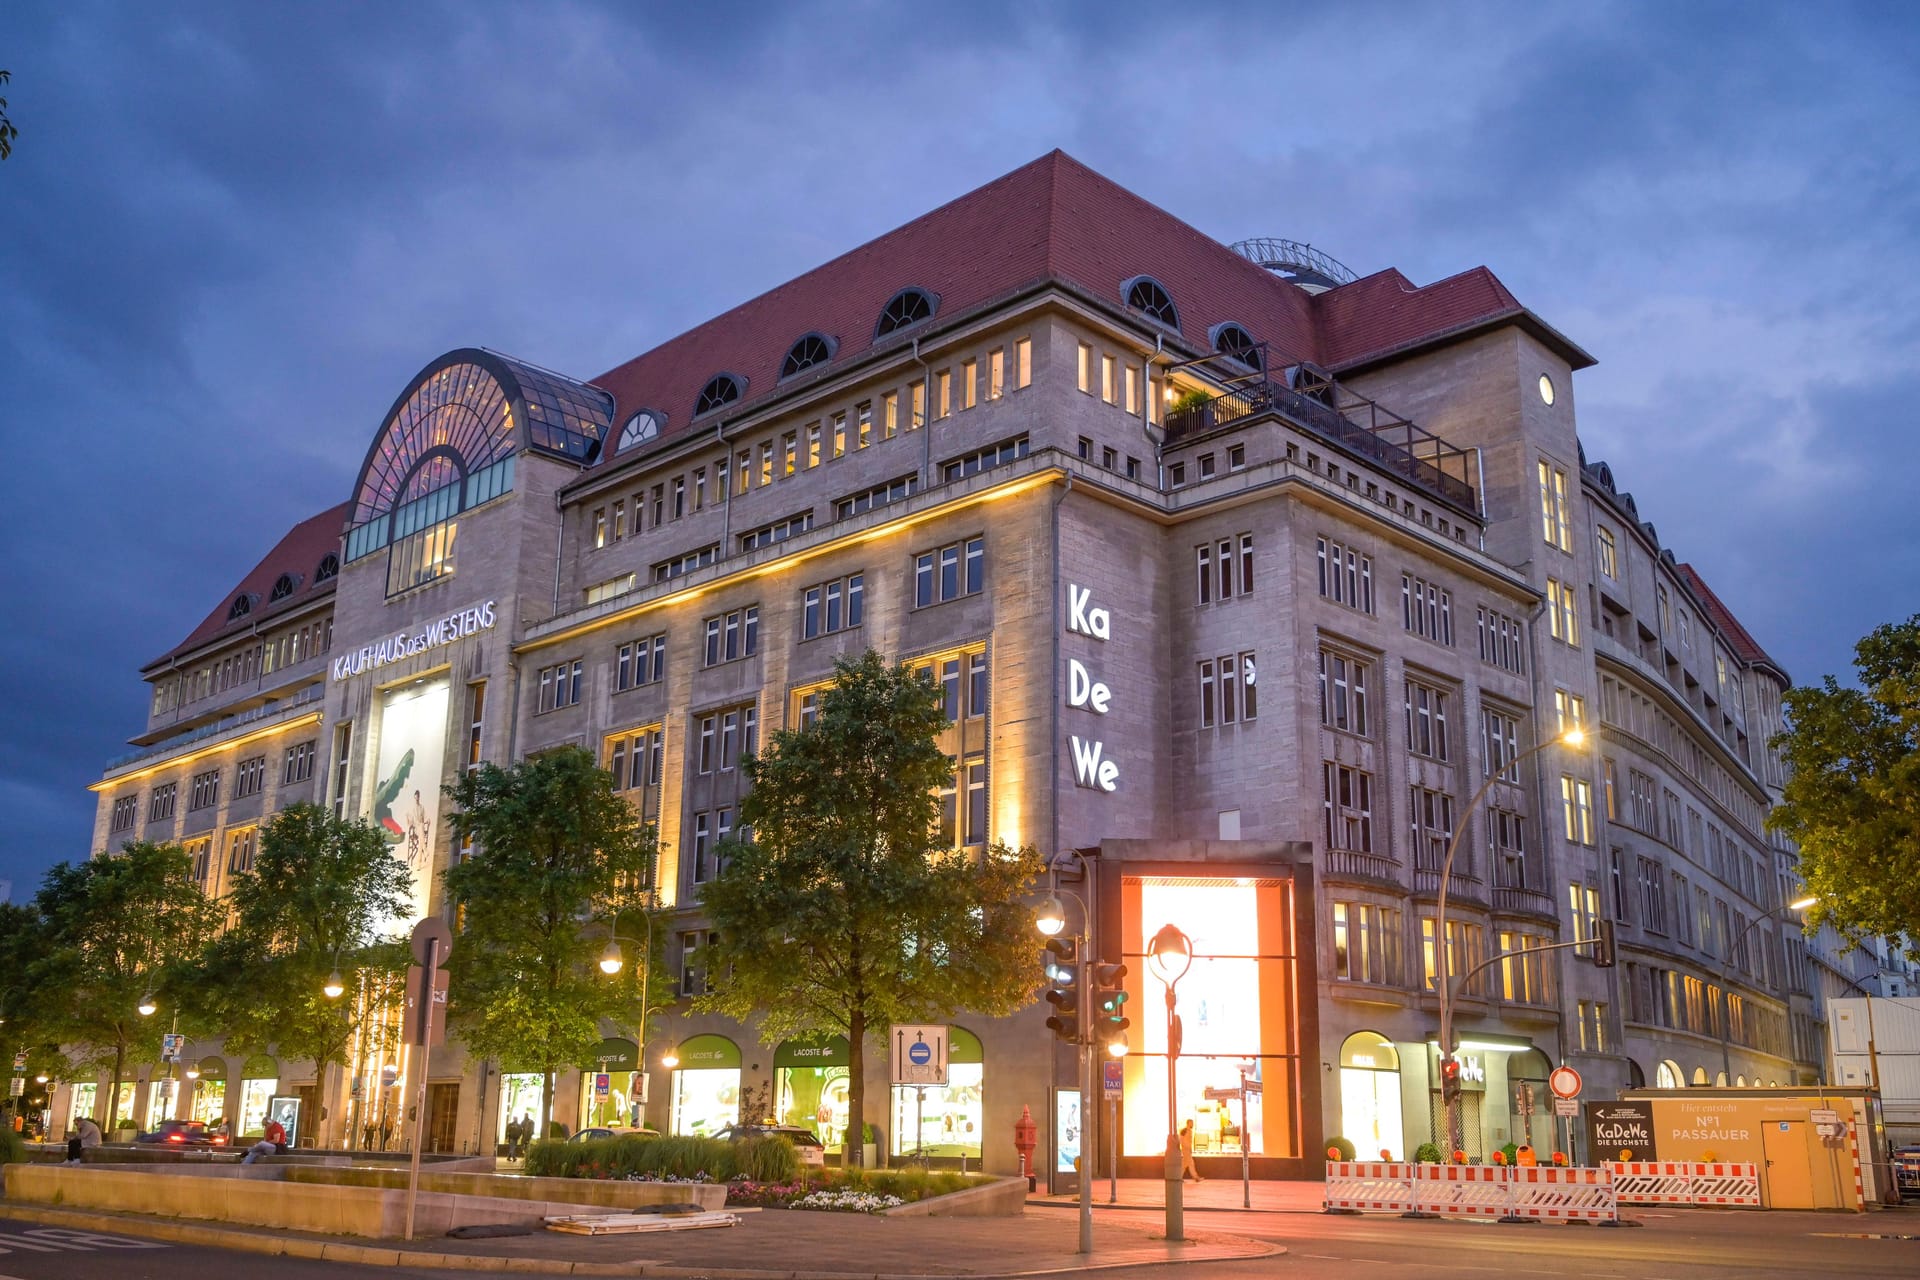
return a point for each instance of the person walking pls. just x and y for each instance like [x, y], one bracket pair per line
[1188, 1169]
[513, 1139]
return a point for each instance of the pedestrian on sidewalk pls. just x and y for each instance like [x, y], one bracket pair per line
[1188, 1169]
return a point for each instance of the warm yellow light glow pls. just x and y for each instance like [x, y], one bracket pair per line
[334, 986]
[1801, 904]
[611, 961]
[1050, 917]
[1574, 737]
[1117, 1047]
[193, 1073]
[225, 744]
[41, 1078]
[147, 1006]
[670, 1059]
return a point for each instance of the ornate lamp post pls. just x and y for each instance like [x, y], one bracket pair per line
[612, 961]
[1170, 954]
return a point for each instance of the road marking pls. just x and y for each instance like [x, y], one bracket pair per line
[60, 1239]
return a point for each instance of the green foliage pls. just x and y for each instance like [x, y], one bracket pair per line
[842, 911]
[7, 132]
[768, 1158]
[631, 1155]
[13, 1147]
[1342, 1145]
[1852, 796]
[1192, 399]
[908, 1184]
[1427, 1153]
[116, 928]
[1512, 1153]
[561, 860]
[319, 892]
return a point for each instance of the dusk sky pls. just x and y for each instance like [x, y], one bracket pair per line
[230, 235]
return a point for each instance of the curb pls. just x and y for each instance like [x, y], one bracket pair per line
[373, 1255]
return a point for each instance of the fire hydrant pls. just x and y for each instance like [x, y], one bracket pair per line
[1026, 1136]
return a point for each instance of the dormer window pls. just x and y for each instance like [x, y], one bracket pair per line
[329, 567]
[641, 427]
[282, 588]
[1147, 296]
[907, 307]
[811, 350]
[721, 389]
[242, 606]
[1236, 343]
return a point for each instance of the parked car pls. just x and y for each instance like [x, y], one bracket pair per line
[1906, 1171]
[812, 1150]
[184, 1133]
[594, 1132]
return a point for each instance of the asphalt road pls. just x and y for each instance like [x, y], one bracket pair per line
[29, 1251]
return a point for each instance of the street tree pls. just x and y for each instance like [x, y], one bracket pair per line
[561, 863]
[7, 132]
[1852, 796]
[322, 897]
[839, 906]
[120, 927]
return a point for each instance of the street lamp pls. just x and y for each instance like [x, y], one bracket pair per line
[334, 987]
[671, 1058]
[612, 961]
[1050, 917]
[1574, 737]
[147, 1006]
[1170, 954]
[1726, 980]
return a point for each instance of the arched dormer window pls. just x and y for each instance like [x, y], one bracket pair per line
[329, 567]
[1236, 343]
[721, 389]
[812, 349]
[907, 307]
[282, 588]
[1149, 297]
[643, 426]
[242, 606]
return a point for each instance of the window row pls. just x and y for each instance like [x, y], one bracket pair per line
[1346, 576]
[1224, 568]
[1426, 609]
[1228, 693]
[1110, 458]
[1206, 466]
[1502, 641]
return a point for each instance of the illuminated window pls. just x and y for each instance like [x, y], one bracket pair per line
[996, 373]
[969, 383]
[1555, 518]
[1570, 711]
[1086, 368]
[1576, 800]
[1563, 612]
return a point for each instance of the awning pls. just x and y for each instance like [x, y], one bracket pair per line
[705, 1052]
[818, 1051]
[963, 1046]
[212, 1068]
[616, 1053]
[260, 1067]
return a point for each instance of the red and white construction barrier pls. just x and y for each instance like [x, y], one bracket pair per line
[1369, 1186]
[1559, 1194]
[1462, 1190]
[1721, 1184]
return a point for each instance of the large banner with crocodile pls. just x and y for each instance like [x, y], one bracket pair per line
[406, 787]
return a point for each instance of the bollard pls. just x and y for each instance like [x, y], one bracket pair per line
[1026, 1136]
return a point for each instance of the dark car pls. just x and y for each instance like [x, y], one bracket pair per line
[811, 1149]
[184, 1133]
[1906, 1171]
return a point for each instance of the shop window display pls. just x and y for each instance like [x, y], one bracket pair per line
[1370, 1095]
[519, 1097]
[86, 1103]
[209, 1100]
[810, 1079]
[254, 1096]
[947, 1121]
[706, 1087]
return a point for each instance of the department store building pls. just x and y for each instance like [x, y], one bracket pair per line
[1239, 575]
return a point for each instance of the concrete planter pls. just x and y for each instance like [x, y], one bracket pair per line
[1001, 1198]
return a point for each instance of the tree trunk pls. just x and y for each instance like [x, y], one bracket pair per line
[546, 1104]
[113, 1094]
[856, 1088]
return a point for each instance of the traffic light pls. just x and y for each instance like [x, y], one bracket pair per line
[1603, 946]
[1449, 1078]
[1110, 1000]
[1062, 961]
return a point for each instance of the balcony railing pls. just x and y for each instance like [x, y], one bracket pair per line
[1530, 901]
[1347, 419]
[1369, 866]
[1459, 885]
[226, 724]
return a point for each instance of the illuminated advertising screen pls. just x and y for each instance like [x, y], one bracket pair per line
[406, 784]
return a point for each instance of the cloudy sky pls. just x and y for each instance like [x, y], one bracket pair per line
[229, 235]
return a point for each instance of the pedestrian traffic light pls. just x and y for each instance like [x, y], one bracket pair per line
[1110, 999]
[1603, 946]
[1449, 1078]
[1062, 961]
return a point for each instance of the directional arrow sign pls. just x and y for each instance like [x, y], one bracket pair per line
[920, 1055]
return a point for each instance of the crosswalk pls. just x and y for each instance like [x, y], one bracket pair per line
[63, 1240]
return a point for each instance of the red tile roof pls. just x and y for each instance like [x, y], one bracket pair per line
[1744, 646]
[298, 554]
[1053, 219]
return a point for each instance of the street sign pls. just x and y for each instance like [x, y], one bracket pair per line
[1614, 1127]
[1565, 1082]
[920, 1054]
[16, 1086]
[602, 1084]
[1568, 1107]
[1112, 1079]
[20, 1061]
[435, 1031]
[1213, 1094]
[433, 927]
[1822, 1116]
[171, 1044]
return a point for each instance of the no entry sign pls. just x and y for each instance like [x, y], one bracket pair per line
[1565, 1082]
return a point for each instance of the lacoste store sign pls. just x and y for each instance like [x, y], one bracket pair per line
[1091, 768]
[455, 626]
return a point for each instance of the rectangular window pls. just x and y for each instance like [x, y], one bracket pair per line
[779, 531]
[667, 570]
[560, 686]
[680, 487]
[205, 791]
[1563, 612]
[878, 496]
[160, 805]
[889, 415]
[599, 527]
[249, 777]
[969, 382]
[1570, 711]
[832, 606]
[986, 459]
[766, 463]
[789, 454]
[693, 968]
[424, 556]
[1343, 692]
[1609, 554]
[1131, 385]
[297, 767]
[1427, 721]
[742, 472]
[1023, 363]
[1576, 802]
[1500, 641]
[619, 519]
[1432, 827]
[1653, 895]
[1108, 367]
[996, 373]
[1555, 518]
[863, 424]
[342, 766]
[1366, 944]
[1086, 368]
[640, 662]
[240, 850]
[637, 759]
[1224, 568]
[1426, 609]
[1346, 576]
[917, 397]
[1499, 741]
[731, 635]
[1347, 798]
[125, 809]
[1227, 691]
[943, 393]
[949, 572]
[699, 488]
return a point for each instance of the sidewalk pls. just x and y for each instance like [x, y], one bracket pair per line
[1223, 1194]
[767, 1245]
